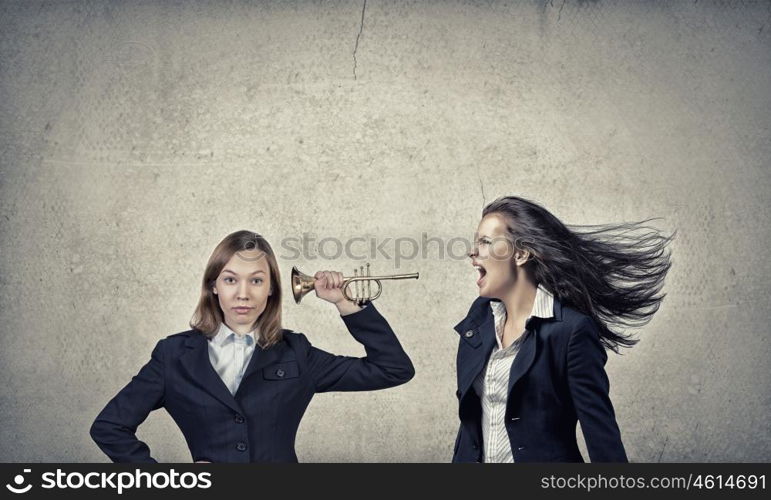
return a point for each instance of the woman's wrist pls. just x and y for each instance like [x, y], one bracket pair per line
[346, 307]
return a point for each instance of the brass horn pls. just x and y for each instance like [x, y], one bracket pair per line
[361, 280]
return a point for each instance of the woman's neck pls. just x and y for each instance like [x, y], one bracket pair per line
[520, 299]
[240, 330]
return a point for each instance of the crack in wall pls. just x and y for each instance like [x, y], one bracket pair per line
[666, 441]
[356, 46]
[482, 188]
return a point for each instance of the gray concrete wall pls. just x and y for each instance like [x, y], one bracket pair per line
[135, 135]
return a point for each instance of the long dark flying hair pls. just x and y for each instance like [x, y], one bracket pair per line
[611, 272]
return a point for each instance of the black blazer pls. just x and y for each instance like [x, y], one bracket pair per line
[557, 378]
[260, 422]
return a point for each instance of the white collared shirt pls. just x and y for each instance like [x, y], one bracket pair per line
[229, 354]
[492, 385]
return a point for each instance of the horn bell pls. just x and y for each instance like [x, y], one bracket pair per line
[301, 284]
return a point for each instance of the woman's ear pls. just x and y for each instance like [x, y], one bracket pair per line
[521, 257]
[214, 290]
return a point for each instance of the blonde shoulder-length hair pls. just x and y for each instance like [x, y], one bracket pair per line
[208, 315]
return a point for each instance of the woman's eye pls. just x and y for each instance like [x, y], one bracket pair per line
[228, 279]
[257, 281]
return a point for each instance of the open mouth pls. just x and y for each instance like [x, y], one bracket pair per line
[482, 273]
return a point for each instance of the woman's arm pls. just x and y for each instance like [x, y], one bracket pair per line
[114, 430]
[385, 365]
[589, 388]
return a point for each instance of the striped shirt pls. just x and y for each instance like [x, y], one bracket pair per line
[229, 354]
[492, 384]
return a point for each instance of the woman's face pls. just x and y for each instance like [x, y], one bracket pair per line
[243, 288]
[493, 258]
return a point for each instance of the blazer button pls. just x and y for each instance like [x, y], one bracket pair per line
[241, 446]
[280, 372]
[239, 419]
[520, 448]
[514, 419]
[469, 334]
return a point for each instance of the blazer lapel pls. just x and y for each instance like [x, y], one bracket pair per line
[527, 351]
[260, 359]
[198, 367]
[524, 359]
[481, 338]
